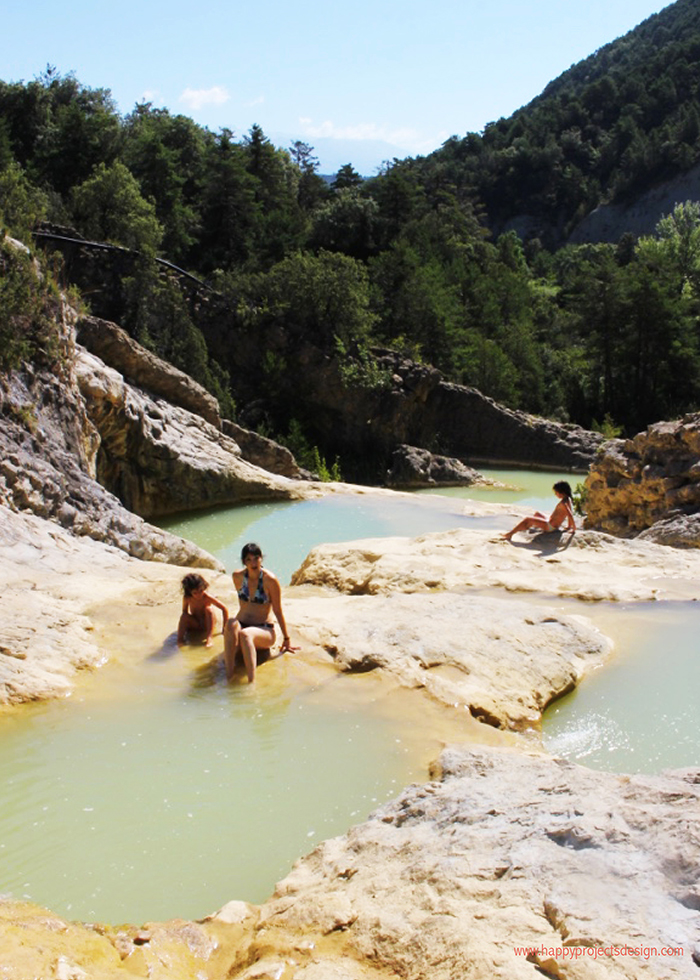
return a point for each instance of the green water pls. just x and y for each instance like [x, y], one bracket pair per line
[640, 712]
[288, 530]
[177, 793]
[157, 790]
[526, 488]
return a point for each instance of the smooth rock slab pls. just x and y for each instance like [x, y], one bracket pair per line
[590, 566]
[505, 849]
[502, 659]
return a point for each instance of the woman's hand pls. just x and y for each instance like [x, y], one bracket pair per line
[287, 646]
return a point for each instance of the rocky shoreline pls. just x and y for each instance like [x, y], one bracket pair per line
[503, 849]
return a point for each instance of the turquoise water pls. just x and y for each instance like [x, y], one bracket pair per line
[639, 713]
[287, 530]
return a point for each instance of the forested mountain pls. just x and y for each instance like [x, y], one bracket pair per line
[415, 259]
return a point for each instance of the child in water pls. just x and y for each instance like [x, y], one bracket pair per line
[197, 613]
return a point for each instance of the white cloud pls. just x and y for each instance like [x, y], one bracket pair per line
[404, 137]
[258, 101]
[199, 97]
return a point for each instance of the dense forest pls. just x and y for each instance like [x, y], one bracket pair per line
[604, 335]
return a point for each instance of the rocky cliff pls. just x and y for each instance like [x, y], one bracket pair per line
[649, 485]
[609, 222]
[364, 422]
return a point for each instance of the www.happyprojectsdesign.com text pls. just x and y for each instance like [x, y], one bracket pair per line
[596, 952]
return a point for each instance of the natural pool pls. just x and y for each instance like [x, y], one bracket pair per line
[157, 790]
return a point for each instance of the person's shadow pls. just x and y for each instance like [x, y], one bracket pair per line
[546, 543]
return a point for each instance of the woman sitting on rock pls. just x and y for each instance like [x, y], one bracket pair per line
[251, 633]
[564, 511]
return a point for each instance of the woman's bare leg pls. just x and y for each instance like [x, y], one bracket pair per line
[253, 638]
[527, 522]
[232, 639]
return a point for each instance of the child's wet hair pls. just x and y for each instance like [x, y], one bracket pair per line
[192, 582]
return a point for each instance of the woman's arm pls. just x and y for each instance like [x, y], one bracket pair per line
[275, 593]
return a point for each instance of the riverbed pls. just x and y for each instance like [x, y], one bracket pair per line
[158, 790]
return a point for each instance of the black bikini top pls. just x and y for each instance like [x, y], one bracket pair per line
[244, 592]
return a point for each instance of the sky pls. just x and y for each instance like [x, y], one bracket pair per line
[361, 84]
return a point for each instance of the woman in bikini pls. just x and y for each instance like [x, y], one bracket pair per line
[251, 633]
[562, 512]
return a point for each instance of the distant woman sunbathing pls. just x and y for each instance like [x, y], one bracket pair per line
[562, 512]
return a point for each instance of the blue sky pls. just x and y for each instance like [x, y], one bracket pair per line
[361, 82]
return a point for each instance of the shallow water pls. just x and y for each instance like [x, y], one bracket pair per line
[638, 713]
[160, 791]
[157, 790]
[287, 530]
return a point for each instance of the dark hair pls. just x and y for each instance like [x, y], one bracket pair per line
[251, 549]
[191, 582]
[563, 487]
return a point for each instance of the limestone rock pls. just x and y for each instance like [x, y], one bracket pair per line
[507, 865]
[501, 660]
[635, 483]
[263, 452]
[608, 222]
[160, 459]
[590, 566]
[48, 452]
[413, 467]
[145, 370]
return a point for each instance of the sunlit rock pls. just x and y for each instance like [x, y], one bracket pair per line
[649, 484]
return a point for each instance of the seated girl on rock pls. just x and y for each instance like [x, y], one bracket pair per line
[564, 511]
[197, 613]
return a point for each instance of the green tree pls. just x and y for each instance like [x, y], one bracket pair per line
[347, 177]
[22, 206]
[167, 155]
[322, 297]
[675, 247]
[109, 207]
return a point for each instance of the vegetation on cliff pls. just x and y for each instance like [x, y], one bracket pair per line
[408, 259]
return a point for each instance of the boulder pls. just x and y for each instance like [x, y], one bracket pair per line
[412, 467]
[158, 458]
[143, 369]
[263, 452]
[649, 482]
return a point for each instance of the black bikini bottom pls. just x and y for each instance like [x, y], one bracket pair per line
[261, 654]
